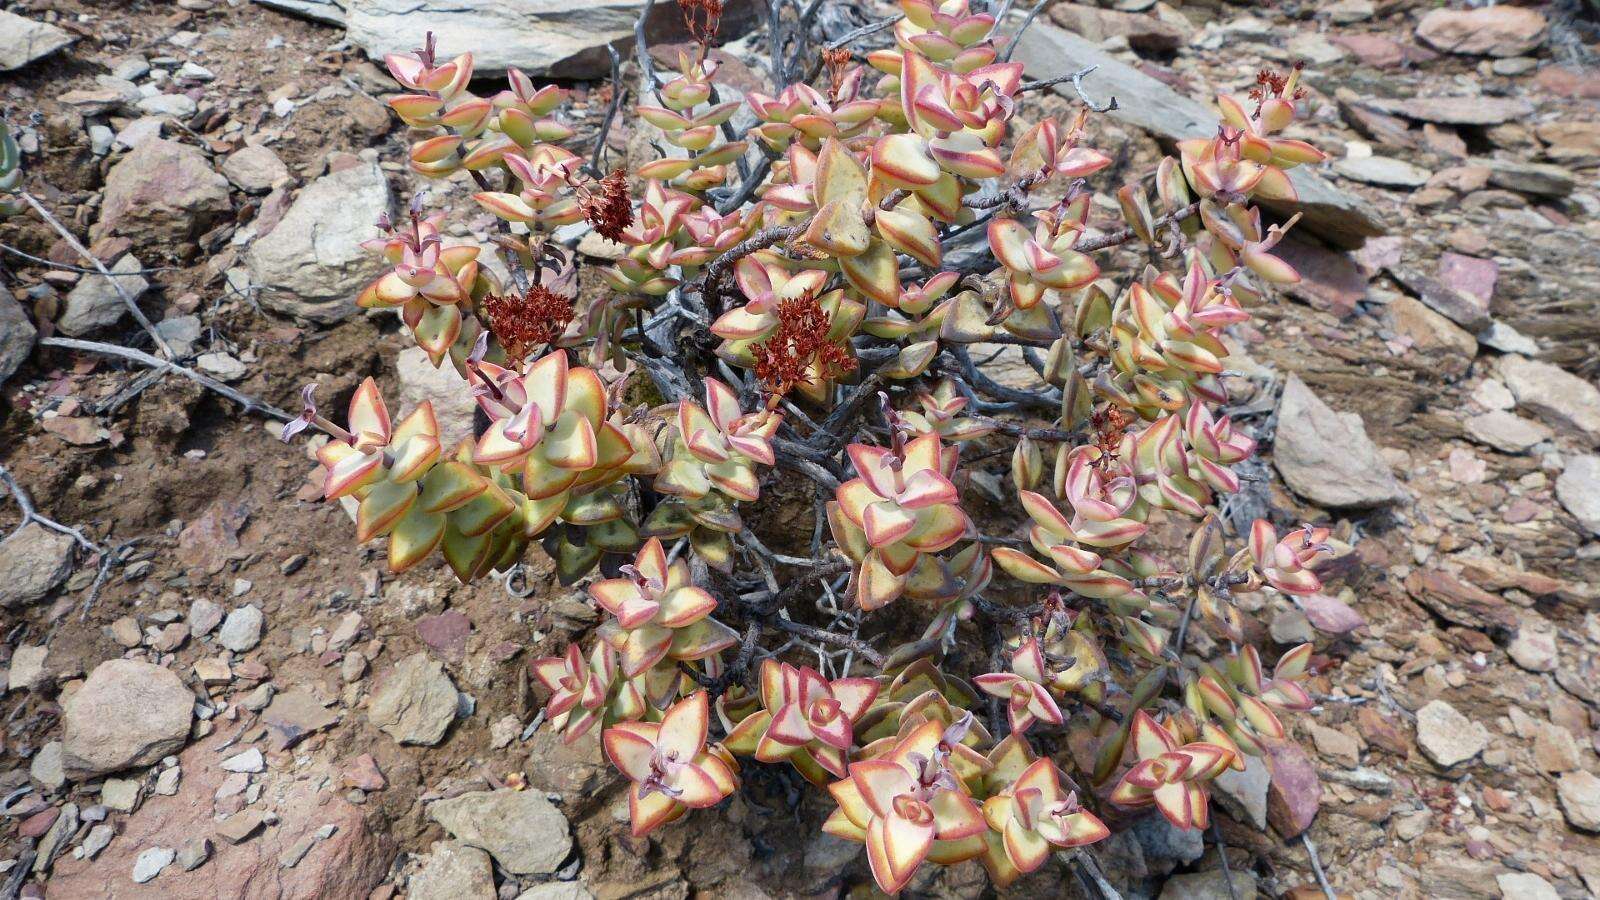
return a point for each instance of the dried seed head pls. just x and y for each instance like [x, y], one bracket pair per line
[606, 206]
[801, 338]
[524, 324]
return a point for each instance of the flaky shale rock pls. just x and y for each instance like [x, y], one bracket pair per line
[416, 701]
[522, 830]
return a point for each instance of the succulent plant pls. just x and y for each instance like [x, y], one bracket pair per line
[770, 286]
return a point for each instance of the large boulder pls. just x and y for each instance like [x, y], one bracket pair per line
[162, 193]
[541, 37]
[1326, 457]
[128, 713]
[35, 560]
[23, 40]
[312, 264]
[1149, 104]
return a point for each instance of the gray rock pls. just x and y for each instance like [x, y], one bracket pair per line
[94, 302]
[522, 830]
[241, 631]
[1563, 400]
[1578, 489]
[416, 703]
[121, 794]
[250, 761]
[1166, 847]
[45, 767]
[1447, 736]
[1502, 337]
[452, 399]
[127, 713]
[1211, 884]
[1326, 457]
[1506, 431]
[162, 193]
[328, 11]
[98, 838]
[1536, 179]
[1382, 171]
[181, 333]
[1525, 886]
[541, 37]
[194, 854]
[222, 365]
[178, 106]
[35, 560]
[312, 263]
[150, 863]
[23, 40]
[1457, 110]
[28, 671]
[255, 169]
[1245, 793]
[100, 139]
[452, 871]
[1146, 103]
[204, 615]
[1579, 793]
[1534, 648]
[55, 840]
[17, 335]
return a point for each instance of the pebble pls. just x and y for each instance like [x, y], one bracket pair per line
[1447, 736]
[250, 761]
[241, 631]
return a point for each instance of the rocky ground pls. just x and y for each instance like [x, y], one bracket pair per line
[240, 703]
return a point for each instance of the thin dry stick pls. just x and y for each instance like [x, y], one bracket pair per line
[74, 243]
[249, 403]
[1316, 866]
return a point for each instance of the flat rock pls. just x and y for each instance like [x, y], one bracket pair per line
[151, 862]
[1525, 886]
[1579, 793]
[312, 263]
[416, 702]
[23, 40]
[1458, 110]
[1146, 103]
[94, 303]
[1327, 457]
[330, 12]
[541, 37]
[1383, 171]
[162, 193]
[1534, 179]
[522, 830]
[1563, 400]
[17, 335]
[294, 715]
[1578, 489]
[45, 767]
[35, 560]
[128, 713]
[1500, 30]
[30, 668]
[453, 871]
[440, 385]
[1506, 431]
[1448, 737]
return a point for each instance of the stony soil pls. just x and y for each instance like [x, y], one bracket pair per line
[1456, 738]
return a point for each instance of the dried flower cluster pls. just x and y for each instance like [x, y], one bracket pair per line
[808, 270]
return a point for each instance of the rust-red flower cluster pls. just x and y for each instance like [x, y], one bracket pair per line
[606, 206]
[526, 323]
[786, 358]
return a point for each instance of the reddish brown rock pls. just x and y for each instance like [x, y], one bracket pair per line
[1490, 31]
[363, 773]
[1295, 793]
[349, 863]
[1380, 731]
[446, 633]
